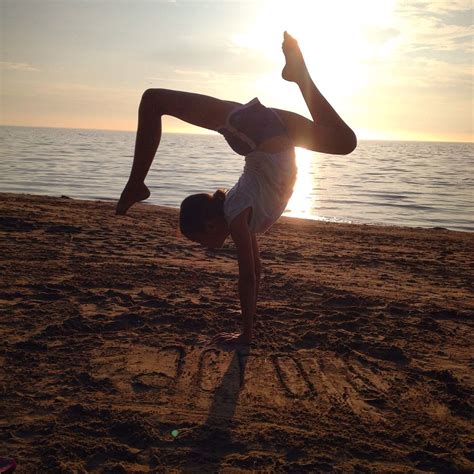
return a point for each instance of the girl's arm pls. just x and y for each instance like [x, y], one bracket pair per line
[244, 242]
[258, 267]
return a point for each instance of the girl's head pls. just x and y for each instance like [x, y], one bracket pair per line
[202, 220]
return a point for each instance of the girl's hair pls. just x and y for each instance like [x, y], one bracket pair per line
[197, 209]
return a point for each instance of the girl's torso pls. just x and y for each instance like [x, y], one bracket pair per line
[265, 186]
[267, 181]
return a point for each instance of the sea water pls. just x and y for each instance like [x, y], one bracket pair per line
[424, 184]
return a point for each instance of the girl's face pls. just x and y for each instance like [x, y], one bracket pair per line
[210, 241]
[215, 234]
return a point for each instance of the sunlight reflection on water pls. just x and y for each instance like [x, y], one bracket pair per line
[304, 200]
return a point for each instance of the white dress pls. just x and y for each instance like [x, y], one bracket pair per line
[265, 186]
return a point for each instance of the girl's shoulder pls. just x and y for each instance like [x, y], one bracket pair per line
[242, 237]
[242, 220]
[236, 202]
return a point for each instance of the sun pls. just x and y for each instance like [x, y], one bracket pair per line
[336, 37]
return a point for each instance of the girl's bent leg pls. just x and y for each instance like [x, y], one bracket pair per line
[196, 109]
[328, 133]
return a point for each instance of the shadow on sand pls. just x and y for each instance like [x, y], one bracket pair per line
[214, 441]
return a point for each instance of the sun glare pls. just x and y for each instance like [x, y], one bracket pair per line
[302, 202]
[338, 38]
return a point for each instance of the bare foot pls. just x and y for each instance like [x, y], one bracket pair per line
[130, 195]
[295, 67]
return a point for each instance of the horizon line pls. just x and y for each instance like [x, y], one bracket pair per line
[211, 132]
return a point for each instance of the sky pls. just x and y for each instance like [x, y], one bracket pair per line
[393, 69]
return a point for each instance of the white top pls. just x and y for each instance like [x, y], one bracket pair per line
[265, 185]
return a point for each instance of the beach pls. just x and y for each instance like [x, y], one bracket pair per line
[361, 361]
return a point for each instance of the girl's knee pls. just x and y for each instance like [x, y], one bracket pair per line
[154, 93]
[152, 100]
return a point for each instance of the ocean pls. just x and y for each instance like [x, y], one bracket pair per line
[416, 184]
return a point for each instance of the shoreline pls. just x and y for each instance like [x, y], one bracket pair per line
[361, 360]
[329, 220]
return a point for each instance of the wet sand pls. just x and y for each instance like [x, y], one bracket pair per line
[361, 362]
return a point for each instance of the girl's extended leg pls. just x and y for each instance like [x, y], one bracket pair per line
[201, 110]
[328, 133]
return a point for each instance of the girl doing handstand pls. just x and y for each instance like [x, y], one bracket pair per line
[267, 138]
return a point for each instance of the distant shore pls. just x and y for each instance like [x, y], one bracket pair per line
[362, 358]
[206, 132]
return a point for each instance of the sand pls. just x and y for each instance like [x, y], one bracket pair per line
[361, 362]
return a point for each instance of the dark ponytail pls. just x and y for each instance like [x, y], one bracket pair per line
[218, 199]
[197, 209]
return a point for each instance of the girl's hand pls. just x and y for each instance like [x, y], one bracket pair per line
[231, 338]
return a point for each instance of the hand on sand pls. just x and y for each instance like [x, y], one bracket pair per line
[130, 195]
[295, 67]
[233, 338]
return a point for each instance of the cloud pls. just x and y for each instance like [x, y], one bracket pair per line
[381, 35]
[421, 82]
[421, 73]
[212, 55]
[80, 91]
[9, 66]
[428, 50]
[429, 26]
[430, 34]
[423, 7]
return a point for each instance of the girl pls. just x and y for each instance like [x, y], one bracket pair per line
[267, 138]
